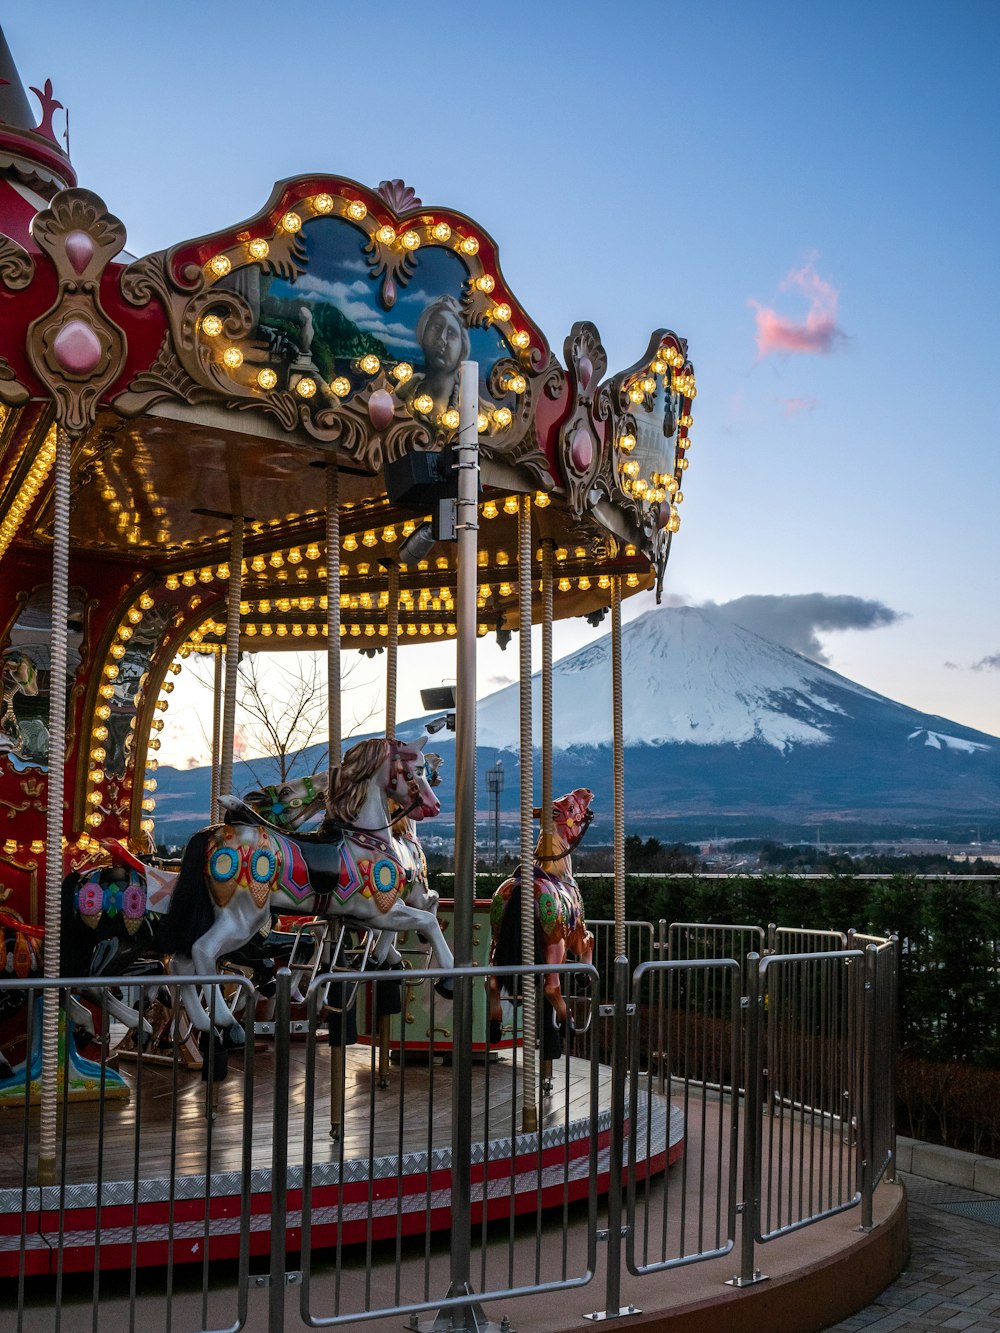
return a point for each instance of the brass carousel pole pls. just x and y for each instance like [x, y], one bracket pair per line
[214, 814]
[392, 648]
[333, 617]
[392, 652]
[546, 840]
[619, 763]
[54, 812]
[467, 524]
[225, 786]
[335, 734]
[529, 1011]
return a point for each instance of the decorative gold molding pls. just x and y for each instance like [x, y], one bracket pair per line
[74, 348]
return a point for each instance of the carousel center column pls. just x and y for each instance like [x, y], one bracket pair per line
[465, 825]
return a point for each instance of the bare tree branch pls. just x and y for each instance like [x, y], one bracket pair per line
[281, 709]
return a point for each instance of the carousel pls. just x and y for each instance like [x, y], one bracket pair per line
[333, 427]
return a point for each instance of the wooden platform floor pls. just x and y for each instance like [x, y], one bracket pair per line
[163, 1132]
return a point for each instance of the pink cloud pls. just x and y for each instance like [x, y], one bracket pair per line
[818, 333]
[793, 406]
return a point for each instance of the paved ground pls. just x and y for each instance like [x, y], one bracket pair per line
[953, 1277]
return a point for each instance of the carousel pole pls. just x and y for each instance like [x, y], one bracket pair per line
[336, 730]
[214, 814]
[392, 650]
[335, 733]
[225, 786]
[619, 763]
[54, 812]
[529, 993]
[546, 827]
[467, 526]
[547, 613]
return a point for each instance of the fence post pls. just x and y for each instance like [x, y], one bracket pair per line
[661, 986]
[279, 1150]
[619, 1062]
[866, 1135]
[749, 1208]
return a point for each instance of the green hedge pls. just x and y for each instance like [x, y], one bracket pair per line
[949, 998]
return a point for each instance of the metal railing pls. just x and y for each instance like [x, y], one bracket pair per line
[715, 1103]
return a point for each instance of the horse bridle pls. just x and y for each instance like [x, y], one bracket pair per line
[585, 822]
[312, 794]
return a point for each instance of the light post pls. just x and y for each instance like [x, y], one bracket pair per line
[494, 785]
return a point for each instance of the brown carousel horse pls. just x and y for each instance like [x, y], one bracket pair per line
[559, 923]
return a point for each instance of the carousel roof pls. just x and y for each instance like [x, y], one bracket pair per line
[220, 378]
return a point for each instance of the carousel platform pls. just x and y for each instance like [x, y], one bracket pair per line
[153, 1180]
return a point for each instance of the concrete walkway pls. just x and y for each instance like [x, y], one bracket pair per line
[952, 1279]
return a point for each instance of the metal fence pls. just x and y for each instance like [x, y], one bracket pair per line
[703, 1104]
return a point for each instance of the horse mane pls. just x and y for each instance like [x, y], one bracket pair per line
[359, 764]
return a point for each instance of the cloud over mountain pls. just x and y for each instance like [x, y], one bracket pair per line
[795, 620]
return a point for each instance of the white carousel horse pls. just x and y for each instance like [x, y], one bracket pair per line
[233, 876]
[288, 805]
[559, 923]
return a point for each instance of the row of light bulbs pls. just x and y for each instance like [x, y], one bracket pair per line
[340, 386]
[106, 691]
[27, 492]
[36, 846]
[429, 231]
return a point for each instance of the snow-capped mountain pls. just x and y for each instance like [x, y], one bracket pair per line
[721, 725]
[724, 731]
[691, 677]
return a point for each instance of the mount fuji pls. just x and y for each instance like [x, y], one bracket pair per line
[725, 732]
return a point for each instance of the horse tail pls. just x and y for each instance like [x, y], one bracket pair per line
[191, 912]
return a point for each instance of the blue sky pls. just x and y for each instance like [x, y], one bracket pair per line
[807, 192]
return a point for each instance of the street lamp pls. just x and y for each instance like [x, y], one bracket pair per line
[494, 785]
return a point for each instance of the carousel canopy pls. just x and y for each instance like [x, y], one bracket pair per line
[217, 380]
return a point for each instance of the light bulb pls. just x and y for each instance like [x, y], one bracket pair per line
[291, 222]
[258, 248]
[211, 326]
[322, 203]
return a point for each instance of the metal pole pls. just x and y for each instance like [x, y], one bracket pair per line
[618, 762]
[467, 516]
[547, 612]
[866, 1139]
[333, 615]
[392, 649]
[232, 652]
[56, 785]
[752, 1060]
[214, 814]
[529, 1015]
[279, 1152]
[619, 1065]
